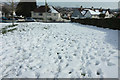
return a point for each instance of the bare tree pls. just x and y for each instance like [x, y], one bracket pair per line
[12, 4]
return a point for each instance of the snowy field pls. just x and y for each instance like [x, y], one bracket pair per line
[59, 50]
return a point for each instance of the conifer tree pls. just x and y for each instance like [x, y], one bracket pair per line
[25, 8]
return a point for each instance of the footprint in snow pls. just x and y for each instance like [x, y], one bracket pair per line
[89, 73]
[87, 64]
[97, 62]
[99, 72]
[92, 57]
[110, 63]
[74, 54]
[70, 72]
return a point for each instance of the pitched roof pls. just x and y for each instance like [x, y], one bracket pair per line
[84, 12]
[52, 9]
[94, 12]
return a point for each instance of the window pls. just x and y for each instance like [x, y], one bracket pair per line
[54, 14]
[40, 14]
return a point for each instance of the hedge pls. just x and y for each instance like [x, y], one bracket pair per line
[112, 23]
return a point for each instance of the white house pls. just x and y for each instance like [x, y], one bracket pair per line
[107, 14]
[50, 13]
[92, 14]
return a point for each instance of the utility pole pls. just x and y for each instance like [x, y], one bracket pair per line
[45, 11]
[12, 12]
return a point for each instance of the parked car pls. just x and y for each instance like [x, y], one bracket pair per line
[29, 19]
[21, 20]
[3, 19]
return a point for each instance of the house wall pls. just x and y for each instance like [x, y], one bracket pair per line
[50, 16]
[36, 15]
[95, 16]
[108, 15]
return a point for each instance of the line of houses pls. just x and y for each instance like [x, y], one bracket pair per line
[77, 13]
[91, 13]
[51, 13]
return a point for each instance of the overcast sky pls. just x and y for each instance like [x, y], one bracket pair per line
[67, 0]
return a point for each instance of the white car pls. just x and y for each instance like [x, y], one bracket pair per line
[21, 20]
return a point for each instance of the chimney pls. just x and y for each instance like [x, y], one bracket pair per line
[100, 9]
[81, 8]
[92, 8]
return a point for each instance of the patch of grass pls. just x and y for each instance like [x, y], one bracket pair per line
[45, 28]
[4, 30]
[12, 25]
[11, 30]
[83, 74]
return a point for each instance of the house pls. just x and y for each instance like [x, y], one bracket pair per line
[97, 13]
[107, 13]
[49, 13]
[92, 14]
[77, 14]
[66, 15]
[65, 12]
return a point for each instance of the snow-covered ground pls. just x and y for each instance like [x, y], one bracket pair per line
[59, 50]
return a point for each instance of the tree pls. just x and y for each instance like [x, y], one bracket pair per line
[25, 8]
[6, 9]
[12, 9]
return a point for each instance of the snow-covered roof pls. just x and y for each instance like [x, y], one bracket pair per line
[97, 10]
[83, 12]
[94, 12]
[86, 9]
[53, 10]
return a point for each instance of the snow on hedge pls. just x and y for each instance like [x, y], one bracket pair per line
[60, 50]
